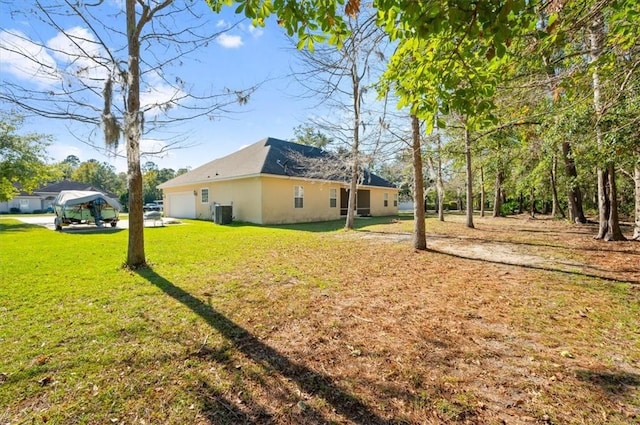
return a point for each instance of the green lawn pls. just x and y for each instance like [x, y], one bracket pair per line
[302, 324]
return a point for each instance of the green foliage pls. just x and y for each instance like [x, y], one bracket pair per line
[307, 134]
[310, 21]
[451, 55]
[21, 158]
[99, 174]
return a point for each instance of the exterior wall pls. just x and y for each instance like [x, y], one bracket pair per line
[26, 204]
[278, 201]
[377, 200]
[270, 200]
[243, 194]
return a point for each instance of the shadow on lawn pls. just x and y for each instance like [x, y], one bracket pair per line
[17, 227]
[308, 380]
[537, 267]
[612, 383]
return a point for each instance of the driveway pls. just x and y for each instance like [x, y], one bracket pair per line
[47, 221]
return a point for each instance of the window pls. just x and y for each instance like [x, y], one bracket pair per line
[333, 198]
[204, 196]
[395, 199]
[24, 203]
[386, 199]
[298, 197]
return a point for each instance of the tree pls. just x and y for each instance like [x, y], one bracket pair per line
[95, 73]
[340, 80]
[99, 174]
[21, 163]
[308, 134]
[68, 166]
[419, 235]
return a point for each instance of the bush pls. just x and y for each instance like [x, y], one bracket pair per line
[509, 207]
[14, 210]
[37, 212]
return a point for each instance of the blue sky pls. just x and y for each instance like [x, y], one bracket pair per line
[237, 59]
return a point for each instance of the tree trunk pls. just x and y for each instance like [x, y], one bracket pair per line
[555, 205]
[532, 206]
[482, 192]
[520, 203]
[609, 225]
[614, 233]
[440, 180]
[497, 198]
[355, 152]
[574, 195]
[132, 132]
[603, 203]
[467, 151]
[636, 180]
[419, 236]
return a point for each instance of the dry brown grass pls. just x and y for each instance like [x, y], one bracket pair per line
[460, 333]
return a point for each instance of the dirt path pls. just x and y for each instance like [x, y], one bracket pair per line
[544, 257]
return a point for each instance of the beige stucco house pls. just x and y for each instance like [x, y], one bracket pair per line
[264, 183]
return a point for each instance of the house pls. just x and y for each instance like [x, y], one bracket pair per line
[42, 198]
[265, 183]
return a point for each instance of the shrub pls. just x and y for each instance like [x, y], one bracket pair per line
[509, 207]
[14, 210]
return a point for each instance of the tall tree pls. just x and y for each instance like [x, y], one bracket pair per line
[100, 174]
[419, 235]
[339, 79]
[91, 65]
[21, 158]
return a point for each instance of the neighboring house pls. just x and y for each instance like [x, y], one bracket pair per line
[42, 198]
[264, 185]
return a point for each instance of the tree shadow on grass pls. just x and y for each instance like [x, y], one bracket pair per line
[611, 383]
[17, 227]
[540, 267]
[310, 381]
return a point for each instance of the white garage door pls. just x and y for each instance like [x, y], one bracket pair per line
[180, 205]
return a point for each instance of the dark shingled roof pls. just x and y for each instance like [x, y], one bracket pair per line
[57, 187]
[268, 156]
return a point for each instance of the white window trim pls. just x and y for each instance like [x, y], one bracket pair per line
[333, 196]
[202, 201]
[301, 193]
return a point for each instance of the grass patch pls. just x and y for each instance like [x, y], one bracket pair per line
[312, 324]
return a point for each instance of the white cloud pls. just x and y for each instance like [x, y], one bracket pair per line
[157, 95]
[222, 24]
[59, 152]
[229, 41]
[25, 59]
[256, 32]
[152, 148]
[79, 54]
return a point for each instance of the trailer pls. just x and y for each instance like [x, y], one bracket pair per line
[85, 207]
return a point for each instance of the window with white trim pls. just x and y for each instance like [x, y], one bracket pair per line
[386, 199]
[298, 197]
[333, 198]
[24, 204]
[395, 199]
[204, 195]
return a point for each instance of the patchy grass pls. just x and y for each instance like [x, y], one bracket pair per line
[313, 324]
